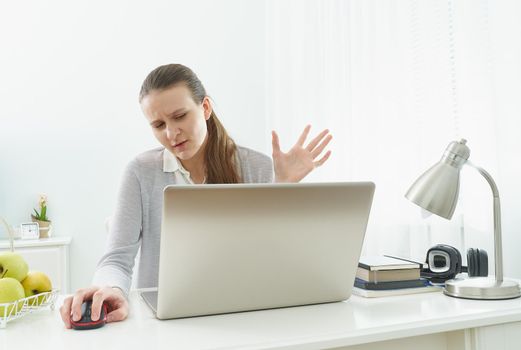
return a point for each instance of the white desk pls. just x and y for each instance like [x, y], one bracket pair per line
[422, 321]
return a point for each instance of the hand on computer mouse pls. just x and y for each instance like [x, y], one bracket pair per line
[86, 321]
[114, 299]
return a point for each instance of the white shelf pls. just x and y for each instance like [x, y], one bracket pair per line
[42, 242]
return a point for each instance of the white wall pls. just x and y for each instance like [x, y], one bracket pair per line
[70, 74]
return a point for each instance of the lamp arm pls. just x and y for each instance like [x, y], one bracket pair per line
[498, 245]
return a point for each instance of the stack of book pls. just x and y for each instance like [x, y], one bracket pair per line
[379, 276]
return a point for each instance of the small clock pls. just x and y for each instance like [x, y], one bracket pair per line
[30, 230]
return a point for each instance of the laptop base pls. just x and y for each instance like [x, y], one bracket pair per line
[150, 299]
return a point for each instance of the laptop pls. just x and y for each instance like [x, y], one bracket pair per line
[242, 247]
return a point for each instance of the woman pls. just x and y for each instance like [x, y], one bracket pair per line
[196, 150]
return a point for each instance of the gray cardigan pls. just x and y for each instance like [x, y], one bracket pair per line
[137, 219]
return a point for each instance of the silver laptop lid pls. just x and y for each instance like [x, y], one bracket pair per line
[229, 248]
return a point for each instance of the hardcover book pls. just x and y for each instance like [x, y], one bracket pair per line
[390, 285]
[380, 262]
[388, 275]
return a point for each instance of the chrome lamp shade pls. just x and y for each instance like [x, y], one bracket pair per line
[437, 191]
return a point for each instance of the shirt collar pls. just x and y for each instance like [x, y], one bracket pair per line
[171, 164]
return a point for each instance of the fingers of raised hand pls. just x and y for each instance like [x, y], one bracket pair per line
[313, 143]
[322, 160]
[315, 152]
[275, 142]
[304, 135]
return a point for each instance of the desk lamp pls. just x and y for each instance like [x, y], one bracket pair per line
[436, 191]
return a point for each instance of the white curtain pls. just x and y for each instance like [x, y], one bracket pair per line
[395, 82]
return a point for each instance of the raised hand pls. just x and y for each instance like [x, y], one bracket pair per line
[299, 161]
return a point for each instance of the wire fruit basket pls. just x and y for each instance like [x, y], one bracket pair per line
[21, 307]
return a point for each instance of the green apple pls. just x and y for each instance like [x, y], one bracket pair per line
[13, 265]
[10, 290]
[36, 282]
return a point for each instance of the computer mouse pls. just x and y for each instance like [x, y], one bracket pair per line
[85, 322]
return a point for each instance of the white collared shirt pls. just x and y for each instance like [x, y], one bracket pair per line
[172, 165]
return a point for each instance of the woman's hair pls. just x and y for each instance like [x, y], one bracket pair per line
[219, 157]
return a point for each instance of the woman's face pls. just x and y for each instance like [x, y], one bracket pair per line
[178, 122]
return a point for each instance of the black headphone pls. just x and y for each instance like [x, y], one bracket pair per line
[444, 263]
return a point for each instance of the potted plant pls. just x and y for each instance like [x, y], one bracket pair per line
[41, 217]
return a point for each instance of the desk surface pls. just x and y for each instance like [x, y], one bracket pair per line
[355, 321]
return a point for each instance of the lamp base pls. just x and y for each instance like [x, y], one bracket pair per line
[482, 288]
